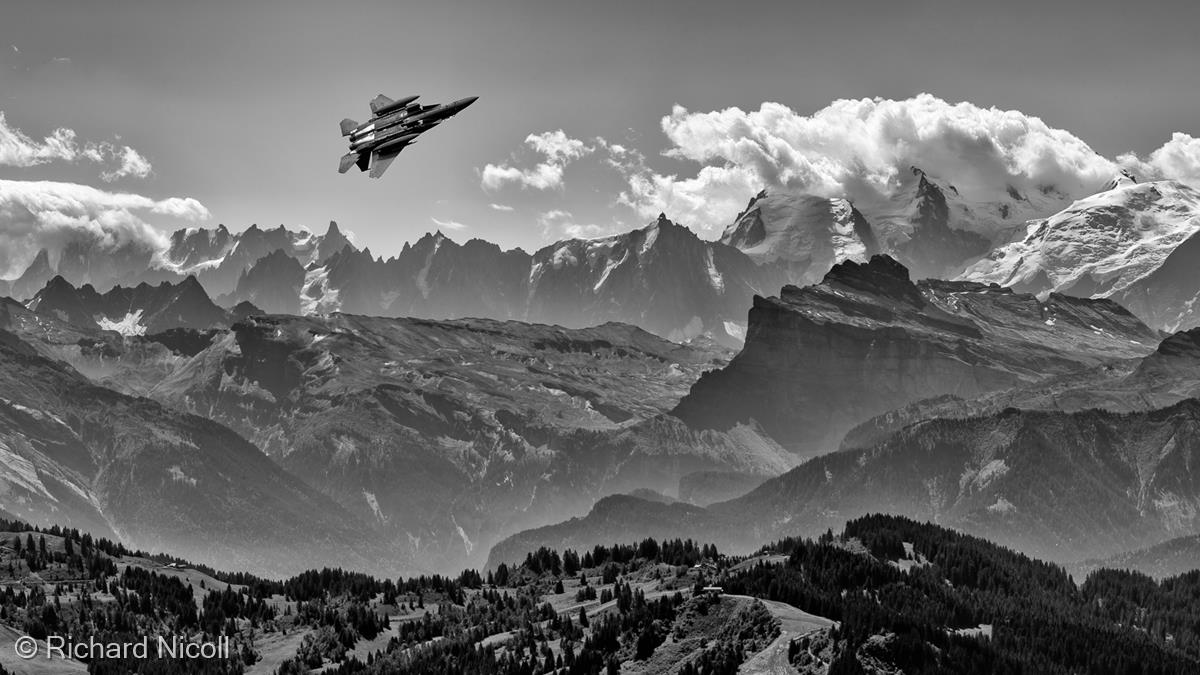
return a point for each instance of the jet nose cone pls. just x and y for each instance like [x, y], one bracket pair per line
[469, 100]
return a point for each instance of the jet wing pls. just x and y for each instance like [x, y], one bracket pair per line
[380, 102]
[381, 161]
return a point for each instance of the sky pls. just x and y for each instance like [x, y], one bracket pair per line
[591, 115]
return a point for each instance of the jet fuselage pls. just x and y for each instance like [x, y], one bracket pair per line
[393, 126]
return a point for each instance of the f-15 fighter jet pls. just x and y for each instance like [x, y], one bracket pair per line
[394, 125]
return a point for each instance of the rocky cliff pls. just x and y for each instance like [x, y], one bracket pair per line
[820, 359]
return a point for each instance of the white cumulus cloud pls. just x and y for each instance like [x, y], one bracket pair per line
[50, 215]
[858, 149]
[1177, 159]
[19, 150]
[132, 164]
[449, 224]
[559, 224]
[500, 207]
[556, 150]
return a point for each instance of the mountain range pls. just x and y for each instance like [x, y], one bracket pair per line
[1001, 367]
[1062, 486]
[442, 437]
[438, 436]
[130, 311]
[1005, 432]
[662, 278]
[1128, 242]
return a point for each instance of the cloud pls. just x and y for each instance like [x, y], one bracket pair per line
[132, 164]
[19, 150]
[557, 151]
[1177, 159]
[449, 224]
[858, 149]
[500, 207]
[559, 224]
[51, 215]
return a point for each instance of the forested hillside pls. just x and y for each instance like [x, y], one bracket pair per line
[886, 594]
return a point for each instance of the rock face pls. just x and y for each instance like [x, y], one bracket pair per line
[103, 266]
[434, 278]
[332, 243]
[934, 248]
[662, 278]
[216, 257]
[819, 360]
[806, 234]
[80, 455]
[273, 284]
[130, 311]
[34, 278]
[450, 435]
[1177, 359]
[219, 259]
[916, 200]
[197, 246]
[1163, 378]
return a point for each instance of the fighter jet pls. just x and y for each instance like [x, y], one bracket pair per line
[394, 125]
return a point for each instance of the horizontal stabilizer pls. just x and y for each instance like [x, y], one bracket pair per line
[380, 102]
[348, 126]
[350, 159]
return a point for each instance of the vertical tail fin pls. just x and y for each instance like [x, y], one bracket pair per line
[380, 102]
[348, 125]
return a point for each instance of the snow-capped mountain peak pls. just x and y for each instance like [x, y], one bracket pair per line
[1099, 245]
[1121, 179]
[808, 234]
